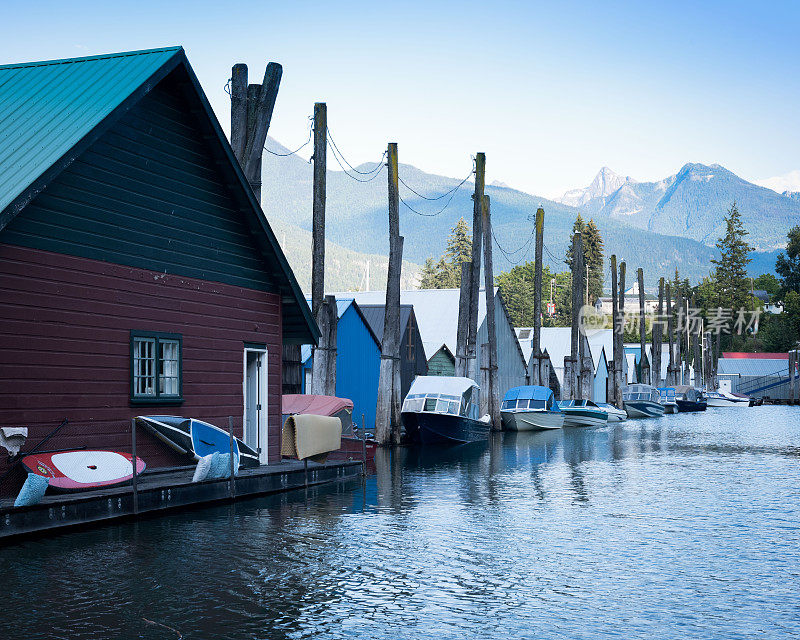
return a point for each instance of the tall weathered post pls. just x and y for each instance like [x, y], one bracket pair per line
[491, 390]
[670, 382]
[387, 415]
[644, 365]
[323, 368]
[616, 363]
[239, 111]
[536, 361]
[677, 373]
[572, 364]
[621, 334]
[318, 207]
[658, 329]
[793, 376]
[696, 355]
[475, 272]
[261, 103]
[463, 321]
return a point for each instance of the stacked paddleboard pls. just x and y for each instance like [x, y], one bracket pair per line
[85, 469]
[196, 438]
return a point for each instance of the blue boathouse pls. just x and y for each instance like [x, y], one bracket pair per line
[358, 361]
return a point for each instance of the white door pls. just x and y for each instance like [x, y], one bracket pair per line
[255, 401]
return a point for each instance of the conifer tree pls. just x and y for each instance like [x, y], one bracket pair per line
[730, 273]
[592, 255]
[446, 272]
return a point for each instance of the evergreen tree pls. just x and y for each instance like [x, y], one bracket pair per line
[446, 273]
[731, 268]
[592, 243]
[516, 287]
[788, 264]
[593, 257]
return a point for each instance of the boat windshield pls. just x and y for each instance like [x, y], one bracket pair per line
[441, 403]
[508, 405]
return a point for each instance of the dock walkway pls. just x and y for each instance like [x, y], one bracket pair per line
[160, 491]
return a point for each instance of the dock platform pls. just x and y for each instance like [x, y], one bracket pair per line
[161, 491]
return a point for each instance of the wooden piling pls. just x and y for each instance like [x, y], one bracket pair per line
[572, 365]
[475, 271]
[621, 334]
[616, 363]
[492, 391]
[323, 372]
[258, 126]
[644, 365]
[387, 427]
[536, 361]
[670, 382]
[318, 207]
[696, 355]
[463, 320]
[239, 110]
[655, 371]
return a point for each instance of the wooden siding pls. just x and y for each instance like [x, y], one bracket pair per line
[148, 194]
[441, 364]
[65, 324]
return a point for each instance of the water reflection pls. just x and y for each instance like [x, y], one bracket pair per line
[684, 526]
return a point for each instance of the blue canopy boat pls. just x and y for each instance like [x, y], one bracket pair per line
[444, 410]
[530, 408]
[642, 401]
[668, 399]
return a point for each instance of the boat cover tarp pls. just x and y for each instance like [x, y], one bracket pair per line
[316, 405]
[447, 385]
[311, 437]
[529, 392]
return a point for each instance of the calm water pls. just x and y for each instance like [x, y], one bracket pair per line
[683, 527]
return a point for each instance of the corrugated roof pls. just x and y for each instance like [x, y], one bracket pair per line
[374, 313]
[436, 311]
[46, 108]
[752, 366]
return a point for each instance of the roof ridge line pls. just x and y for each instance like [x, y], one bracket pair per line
[102, 56]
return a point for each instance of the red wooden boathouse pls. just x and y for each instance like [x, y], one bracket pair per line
[138, 274]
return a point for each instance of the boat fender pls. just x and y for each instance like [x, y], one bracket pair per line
[203, 467]
[32, 491]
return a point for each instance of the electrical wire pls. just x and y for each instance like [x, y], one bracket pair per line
[375, 169]
[444, 195]
[356, 178]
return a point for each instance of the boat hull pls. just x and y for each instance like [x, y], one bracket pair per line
[689, 406]
[725, 402]
[583, 417]
[440, 428]
[354, 449]
[644, 409]
[670, 407]
[532, 420]
[196, 438]
[614, 414]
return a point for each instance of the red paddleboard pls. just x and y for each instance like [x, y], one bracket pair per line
[89, 469]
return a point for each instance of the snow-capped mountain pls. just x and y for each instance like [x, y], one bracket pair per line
[604, 184]
[693, 202]
[787, 182]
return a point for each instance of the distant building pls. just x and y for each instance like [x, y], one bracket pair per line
[760, 375]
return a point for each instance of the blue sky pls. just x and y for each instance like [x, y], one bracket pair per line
[550, 91]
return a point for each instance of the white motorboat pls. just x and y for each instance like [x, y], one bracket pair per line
[583, 413]
[614, 414]
[720, 398]
[530, 408]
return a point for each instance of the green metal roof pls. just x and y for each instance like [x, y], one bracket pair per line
[51, 111]
[46, 108]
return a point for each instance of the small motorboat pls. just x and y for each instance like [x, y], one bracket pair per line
[83, 469]
[642, 401]
[614, 414]
[530, 408]
[583, 413]
[689, 399]
[720, 398]
[354, 445]
[444, 410]
[667, 398]
[196, 438]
